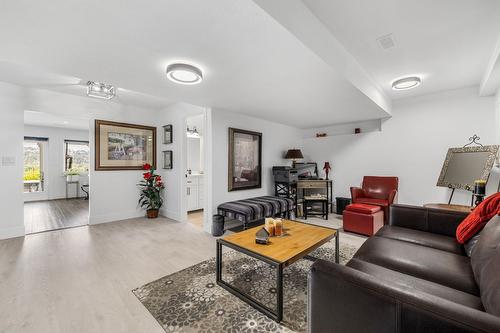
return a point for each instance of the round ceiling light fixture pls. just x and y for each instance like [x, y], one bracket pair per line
[184, 73]
[406, 83]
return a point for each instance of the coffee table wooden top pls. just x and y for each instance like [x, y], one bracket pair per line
[299, 240]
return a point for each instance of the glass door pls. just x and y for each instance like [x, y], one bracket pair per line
[34, 184]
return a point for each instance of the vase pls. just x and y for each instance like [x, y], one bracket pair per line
[152, 213]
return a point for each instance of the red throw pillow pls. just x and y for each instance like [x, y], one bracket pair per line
[478, 218]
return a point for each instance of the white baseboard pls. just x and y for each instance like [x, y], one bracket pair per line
[115, 217]
[12, 232]
[170, 214]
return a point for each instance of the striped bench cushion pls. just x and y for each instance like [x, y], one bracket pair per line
[252, 209]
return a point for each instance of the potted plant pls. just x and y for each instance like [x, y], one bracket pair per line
[72, 175]
[151, 187]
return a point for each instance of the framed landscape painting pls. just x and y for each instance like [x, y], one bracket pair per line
[121, 146]
[245, 160]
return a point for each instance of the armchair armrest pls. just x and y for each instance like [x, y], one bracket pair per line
[342, 299]
[443, 222]
[393, 197]
[357, 192]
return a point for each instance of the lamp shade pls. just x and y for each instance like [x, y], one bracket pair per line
[293, 154]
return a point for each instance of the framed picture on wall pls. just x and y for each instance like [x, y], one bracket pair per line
[245, 160]
[167, 159]
[121, 146]
[167, 134]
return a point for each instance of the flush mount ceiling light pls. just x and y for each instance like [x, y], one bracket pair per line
[406, 83]
[184, 73]
[100, 90]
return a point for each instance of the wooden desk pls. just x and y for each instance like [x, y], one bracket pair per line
[456, 208]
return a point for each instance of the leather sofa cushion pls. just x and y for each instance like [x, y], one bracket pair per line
[485, 260]
[383, 274]
[371, 201]
[363, 208]
[446, 268]
[428, 239]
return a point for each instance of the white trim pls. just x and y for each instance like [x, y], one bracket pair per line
[170, 214]
[116, 217]
[208, 166]
[12, 232]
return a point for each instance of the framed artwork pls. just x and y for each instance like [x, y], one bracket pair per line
[167, 134]
[121, 146]
[167, 159]
[245, 160]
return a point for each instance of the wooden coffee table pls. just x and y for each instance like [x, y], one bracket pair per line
[299, 241]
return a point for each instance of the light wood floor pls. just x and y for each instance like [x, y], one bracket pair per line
[196, 218]
[80, 279]
[55, 214]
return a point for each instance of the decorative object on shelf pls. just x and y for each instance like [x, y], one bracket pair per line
[245, 159]
[168, 159]
[167, 134]
[262, 236]
[121, 146]
[151, 187]
[357, 130]
[479, 191]
[321, 135]
[327, 169]
[294, 155]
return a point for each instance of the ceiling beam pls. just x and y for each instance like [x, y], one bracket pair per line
[298, 19]
[491, 78]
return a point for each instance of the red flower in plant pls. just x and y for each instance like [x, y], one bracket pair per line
[147, 176]
[158, 178]
[146, 166]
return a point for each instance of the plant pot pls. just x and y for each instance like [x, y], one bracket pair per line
[152, 213]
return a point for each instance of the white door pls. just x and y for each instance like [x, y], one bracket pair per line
[35, 169]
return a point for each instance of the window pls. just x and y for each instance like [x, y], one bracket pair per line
[76, 156]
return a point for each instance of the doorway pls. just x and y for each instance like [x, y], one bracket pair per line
[35, 164]
[195, 170]
[55, 180]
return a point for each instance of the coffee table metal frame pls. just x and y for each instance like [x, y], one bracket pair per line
[275, 315]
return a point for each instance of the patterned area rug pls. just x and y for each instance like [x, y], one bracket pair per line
[191, 301]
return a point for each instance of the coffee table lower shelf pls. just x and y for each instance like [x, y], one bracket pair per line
[276, 315]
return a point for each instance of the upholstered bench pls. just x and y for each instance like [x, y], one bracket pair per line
[363, 218]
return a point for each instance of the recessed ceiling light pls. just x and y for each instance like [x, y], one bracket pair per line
[184, 73]
[406, 83]
[100, 90]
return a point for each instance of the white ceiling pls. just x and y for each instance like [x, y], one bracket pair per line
[448, 42]
[252, 64]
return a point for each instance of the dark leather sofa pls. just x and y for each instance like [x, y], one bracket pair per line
[411, 276]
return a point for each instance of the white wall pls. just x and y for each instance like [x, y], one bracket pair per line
[412, 145]
[114, 194]
[174, 179]
[276, 140]
[11, 150]
[56, 181]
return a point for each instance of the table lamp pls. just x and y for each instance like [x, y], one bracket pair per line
[294, 154]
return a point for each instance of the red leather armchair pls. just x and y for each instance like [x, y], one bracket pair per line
[378, 191]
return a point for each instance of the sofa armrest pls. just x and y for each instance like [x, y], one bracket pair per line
[443, 222]
[342, 299]
[393, 197]
[357, 192]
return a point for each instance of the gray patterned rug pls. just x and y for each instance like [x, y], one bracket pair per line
[191, 301]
